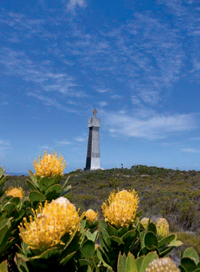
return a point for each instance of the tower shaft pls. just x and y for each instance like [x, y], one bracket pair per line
[93, 148]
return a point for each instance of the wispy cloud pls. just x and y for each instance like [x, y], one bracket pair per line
[145, 53]
[4, 143]
[190, 150]
[152, 127]
[103, 103]
[102, 90]
[81, 139]
[72, 4]
[63, 142]
[116, 96]
[50, 101]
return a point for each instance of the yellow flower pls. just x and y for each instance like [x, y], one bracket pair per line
[162, 227]
[49, 224]
[49, 165]
[120, 208]
[164, 264]
[91, 215]
[15, 192]
[144, 221]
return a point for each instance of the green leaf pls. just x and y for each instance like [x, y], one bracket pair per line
[111, 230]
[115, 240]
[166, 240]
[142, 236]
[139, 262]
[144, 251]
[1, 172]
[46, 254]
[121, 264]
[32, 186]
[151, 227]
[36, 197]
[3, 180]
[6, 199]
[84, 262]
[150, 240]
[147, 260]
[192, 254]
[165, 251]
[88, 249]
[91, 236]
[129, 237]
[131, 263]
[15, 200]
[66, 191]
[175, 243]
[53, 192]
[21, 262]
[67, 258]
[9, 207]
[182, 269]
[103, 262]
[139, 213]
[47, 182]
[65, 184]
[4, 234]
[33, 178]
[188, 264]
[4, 266]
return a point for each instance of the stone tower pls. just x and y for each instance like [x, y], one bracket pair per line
[93, 149]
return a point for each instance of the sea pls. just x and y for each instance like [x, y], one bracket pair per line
[16, 174]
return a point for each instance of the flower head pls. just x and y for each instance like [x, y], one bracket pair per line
[162, 227]
[49, 224]
[91, 215]
[49, 165]
[120, 208]
[164, 264]
[15, 192]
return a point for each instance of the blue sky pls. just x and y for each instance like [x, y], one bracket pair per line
[137, 62]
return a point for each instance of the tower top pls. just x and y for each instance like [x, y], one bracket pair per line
[94, 113]
[94, 122]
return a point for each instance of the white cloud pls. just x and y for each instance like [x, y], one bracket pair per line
[150, 127]
[72, 4]
[103, 104]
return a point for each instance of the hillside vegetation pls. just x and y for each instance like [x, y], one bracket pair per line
[168, 193]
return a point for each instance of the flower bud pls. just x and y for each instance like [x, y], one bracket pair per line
[162, 227]
[164, 264]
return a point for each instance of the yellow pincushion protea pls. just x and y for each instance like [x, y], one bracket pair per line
[49, 165]
[164, 264]
[162, 227]
[91, 215]
[120, 208]
[48, 225]
[15, 192]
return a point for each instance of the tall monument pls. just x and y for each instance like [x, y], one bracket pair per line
[93, 149]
